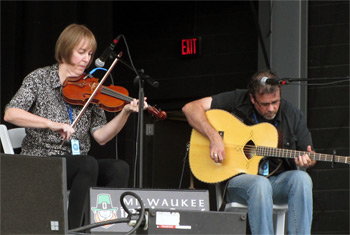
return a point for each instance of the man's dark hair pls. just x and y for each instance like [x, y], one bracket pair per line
[255, 86]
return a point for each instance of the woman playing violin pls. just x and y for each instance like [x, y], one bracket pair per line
[39, 107]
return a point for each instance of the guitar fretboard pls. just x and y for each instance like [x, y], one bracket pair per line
[288, 153]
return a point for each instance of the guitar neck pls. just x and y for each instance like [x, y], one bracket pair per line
[288, 153]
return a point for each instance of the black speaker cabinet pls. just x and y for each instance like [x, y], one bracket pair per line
[33, 195]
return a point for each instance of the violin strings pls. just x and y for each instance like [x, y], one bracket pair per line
[115, 94]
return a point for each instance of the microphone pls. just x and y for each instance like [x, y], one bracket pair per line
[100, 62]
[272, 81]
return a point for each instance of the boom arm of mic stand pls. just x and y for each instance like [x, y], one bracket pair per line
[295, 79]
[139, 74]
[114, 55]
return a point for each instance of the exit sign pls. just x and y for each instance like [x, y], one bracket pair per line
[191, 46]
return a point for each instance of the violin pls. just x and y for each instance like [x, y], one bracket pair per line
[77, 91]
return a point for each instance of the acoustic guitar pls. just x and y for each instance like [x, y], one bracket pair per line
[245, 146]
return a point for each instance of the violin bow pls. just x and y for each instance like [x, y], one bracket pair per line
[96, 89]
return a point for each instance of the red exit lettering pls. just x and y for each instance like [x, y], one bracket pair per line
[189, 46]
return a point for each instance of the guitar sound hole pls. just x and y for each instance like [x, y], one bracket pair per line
[249, 149]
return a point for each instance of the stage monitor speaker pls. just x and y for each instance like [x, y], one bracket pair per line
[33, 195]
[193, 222]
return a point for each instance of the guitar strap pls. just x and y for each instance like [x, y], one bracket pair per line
[273, 172]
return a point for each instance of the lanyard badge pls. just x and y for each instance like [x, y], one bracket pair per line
[75, 147]
[264, 168]
[74, 143]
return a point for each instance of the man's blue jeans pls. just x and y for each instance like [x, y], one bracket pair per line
[259, 193]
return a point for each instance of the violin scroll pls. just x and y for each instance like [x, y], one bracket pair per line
[161, 115]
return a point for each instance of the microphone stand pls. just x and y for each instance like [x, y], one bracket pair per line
[141, 77]
[139, 136]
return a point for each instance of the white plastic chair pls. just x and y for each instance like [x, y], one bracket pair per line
[279, 210]
[11, 139]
